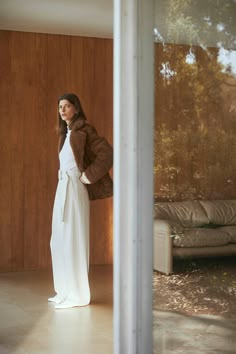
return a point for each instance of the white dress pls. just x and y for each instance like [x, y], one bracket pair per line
[70, 234]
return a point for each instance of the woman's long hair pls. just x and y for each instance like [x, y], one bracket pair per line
[73, 99]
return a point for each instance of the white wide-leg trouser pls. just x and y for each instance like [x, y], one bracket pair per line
[70, 239]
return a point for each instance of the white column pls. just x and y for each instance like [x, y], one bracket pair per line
[133, 175]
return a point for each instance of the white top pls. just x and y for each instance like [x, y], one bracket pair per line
[66, 156]
[67, 159]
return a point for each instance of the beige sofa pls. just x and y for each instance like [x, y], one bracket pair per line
[193, 228]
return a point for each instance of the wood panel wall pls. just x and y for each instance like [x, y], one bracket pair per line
[35, 69]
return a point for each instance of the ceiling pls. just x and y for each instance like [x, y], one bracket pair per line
[177, 21]
[90, 18]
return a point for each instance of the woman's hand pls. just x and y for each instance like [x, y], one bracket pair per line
[84, 179]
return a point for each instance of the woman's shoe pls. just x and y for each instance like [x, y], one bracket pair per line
[56, 299]
[67, 304]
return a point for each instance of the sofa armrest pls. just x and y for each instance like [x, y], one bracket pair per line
[162, 247]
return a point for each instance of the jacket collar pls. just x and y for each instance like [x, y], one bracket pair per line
[77, 124]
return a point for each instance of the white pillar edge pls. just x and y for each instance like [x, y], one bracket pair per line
[133, 175]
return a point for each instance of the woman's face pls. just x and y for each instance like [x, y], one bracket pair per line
[67, 110]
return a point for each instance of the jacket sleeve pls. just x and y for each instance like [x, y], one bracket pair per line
[98, 155]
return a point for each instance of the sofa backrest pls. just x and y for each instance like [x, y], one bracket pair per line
[220, 212]
[197, 213]
[186, 214]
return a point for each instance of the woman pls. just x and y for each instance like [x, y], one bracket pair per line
[85, 159]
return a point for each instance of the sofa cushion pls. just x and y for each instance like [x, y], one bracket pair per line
[186, 214]
[220, 212]
[231, 230]
[200, 237]
[175, 228]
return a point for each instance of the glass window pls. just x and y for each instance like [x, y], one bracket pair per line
[195, 163]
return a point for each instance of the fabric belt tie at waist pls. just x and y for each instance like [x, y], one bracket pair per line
[63, 178]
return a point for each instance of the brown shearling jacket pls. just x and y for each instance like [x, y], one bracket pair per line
[93, 156]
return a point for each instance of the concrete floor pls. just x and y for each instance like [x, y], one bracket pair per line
[31, 325]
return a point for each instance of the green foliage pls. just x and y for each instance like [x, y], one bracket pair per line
[197, 21]
[195, 145]
[194, 164]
